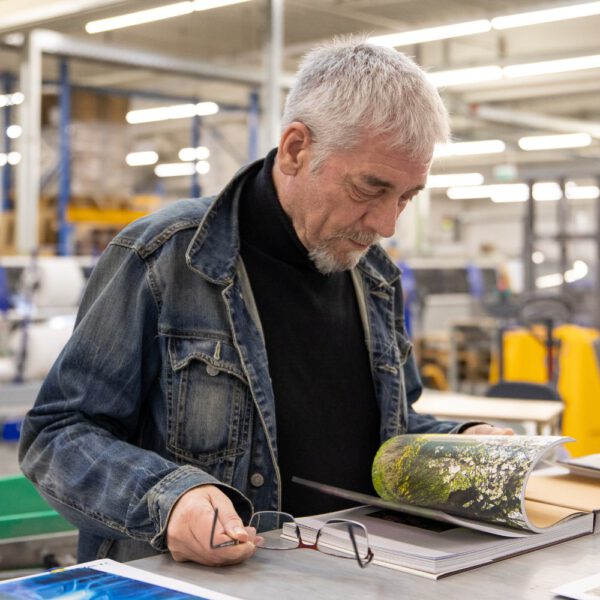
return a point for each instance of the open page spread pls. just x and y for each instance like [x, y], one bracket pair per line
[478, 482]
[480, 478]
[443, 495]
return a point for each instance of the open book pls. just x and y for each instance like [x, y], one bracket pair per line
[478, 485]
[586, 466]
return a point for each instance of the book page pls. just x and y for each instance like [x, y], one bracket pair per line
[545, 515]
[480, 478]
[572, 491]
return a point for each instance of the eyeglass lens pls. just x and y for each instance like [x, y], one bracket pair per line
[272, 520]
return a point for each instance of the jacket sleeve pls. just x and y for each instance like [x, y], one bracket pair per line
[78, 443]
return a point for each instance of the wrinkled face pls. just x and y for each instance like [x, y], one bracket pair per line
[351, 201]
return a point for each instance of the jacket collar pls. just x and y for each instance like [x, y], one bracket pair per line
[215, 247]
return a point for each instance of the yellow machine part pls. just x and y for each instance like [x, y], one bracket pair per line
[578, 377]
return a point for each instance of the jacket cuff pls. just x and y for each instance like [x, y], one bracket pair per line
[462, 426]
[165, 494]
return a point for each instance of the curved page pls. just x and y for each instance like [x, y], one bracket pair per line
[479, 478]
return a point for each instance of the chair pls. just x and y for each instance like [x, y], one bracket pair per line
[523, 390]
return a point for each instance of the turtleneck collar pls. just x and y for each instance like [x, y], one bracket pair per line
[264, 225]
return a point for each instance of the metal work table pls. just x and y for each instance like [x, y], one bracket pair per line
[545, 414]
[301, 574]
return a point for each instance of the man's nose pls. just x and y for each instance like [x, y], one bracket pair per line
[382, 218]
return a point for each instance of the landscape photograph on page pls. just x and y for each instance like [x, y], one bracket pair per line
[477, 486]
[103, 580]
[481, 478]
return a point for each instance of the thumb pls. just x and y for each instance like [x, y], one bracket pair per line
[231, 522]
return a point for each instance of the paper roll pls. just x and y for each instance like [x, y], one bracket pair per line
[60, 282]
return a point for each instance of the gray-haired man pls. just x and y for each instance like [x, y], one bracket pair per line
[224, 345]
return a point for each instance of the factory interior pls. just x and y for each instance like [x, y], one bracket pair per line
[111, 110]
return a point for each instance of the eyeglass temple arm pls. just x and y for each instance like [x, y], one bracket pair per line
[361, 563]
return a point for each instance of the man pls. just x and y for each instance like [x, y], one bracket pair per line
[225, 345]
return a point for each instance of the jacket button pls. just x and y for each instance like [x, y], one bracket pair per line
[256, 479]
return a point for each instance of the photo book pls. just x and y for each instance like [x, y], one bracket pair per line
[103, 580]
[586, 466]
[452, 502]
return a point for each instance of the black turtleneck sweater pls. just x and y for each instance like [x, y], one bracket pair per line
[327, 417]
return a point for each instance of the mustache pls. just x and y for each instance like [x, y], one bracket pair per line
[364, 238]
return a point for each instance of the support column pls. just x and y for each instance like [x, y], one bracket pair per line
[274, 49]
[528, 242]
[64, 170]
[253, 126]
[28, 171]
[195, 190]
[5, 203]
[562, 216]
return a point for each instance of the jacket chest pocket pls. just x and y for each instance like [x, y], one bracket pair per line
[210, 407]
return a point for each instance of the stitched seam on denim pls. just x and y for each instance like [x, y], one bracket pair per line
[153, 284]
[196, 335]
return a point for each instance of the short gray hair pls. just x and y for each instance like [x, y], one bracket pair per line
[348, 87]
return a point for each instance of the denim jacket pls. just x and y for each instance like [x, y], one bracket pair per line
[164, 384]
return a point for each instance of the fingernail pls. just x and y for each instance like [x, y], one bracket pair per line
[239, 531]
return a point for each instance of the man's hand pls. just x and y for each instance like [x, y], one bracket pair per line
[483, 429]
[188, 529]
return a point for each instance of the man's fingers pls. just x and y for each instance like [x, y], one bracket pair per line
[483, 429]
[229, 519]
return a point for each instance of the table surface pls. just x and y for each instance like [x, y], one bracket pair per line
[301, 574]
[454, 404]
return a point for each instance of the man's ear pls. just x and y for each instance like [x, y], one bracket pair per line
[293, 152]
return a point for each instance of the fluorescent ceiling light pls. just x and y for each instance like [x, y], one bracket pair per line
[546, 191]
[537, 257]
[138, 18]
[156, 14]
[138, 159]
[500, 192]
[202, 167]
[548, 281]
[14, 158]
[14, 131]
[469, 148]
[577, 272]
[454, 179]
[463, 76]
[553, 66]
[430, 34]
[200, 5]
[190, 154]
[551, 142]
[176, 111]
[547, 16]
[174, 169]
[581, 192]
[11, 99]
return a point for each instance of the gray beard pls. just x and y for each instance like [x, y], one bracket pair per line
[326, 263]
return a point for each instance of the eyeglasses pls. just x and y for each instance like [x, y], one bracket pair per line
[331, 538]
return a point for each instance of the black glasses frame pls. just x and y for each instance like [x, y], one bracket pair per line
[362, 562]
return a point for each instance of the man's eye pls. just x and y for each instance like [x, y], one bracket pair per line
[369, 193]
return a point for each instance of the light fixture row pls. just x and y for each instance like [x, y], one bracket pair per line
[430, 34]
[158, 13]
[542, 191]
[405, 38]
[531, 143]
[455, 77]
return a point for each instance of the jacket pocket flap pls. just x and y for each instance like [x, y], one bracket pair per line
[216, 354]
